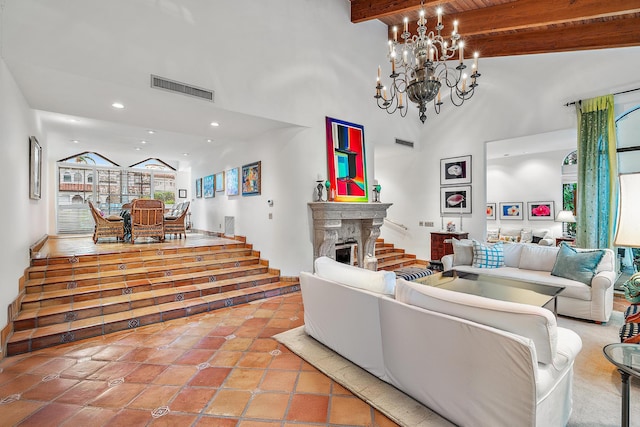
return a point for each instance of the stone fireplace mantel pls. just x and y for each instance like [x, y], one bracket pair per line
[337, 222]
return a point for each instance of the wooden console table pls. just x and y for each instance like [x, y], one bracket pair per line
[438, 246]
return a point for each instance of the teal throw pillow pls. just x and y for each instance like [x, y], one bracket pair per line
[580, 266]
[488, 256]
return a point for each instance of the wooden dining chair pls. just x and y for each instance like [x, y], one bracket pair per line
[147, 219]
[110, 226]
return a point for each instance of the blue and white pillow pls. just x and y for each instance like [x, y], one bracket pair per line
[488, 256]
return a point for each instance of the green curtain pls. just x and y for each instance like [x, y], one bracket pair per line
[597, 173]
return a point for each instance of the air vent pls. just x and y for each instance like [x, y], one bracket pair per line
[405, 143]
[183, 88]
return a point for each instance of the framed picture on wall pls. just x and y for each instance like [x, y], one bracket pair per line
[220, 182]
[455, 200]
[233, 180]
[540, 211]
[511, 210]
[346, 161]
[199, 187]
[455, 170]
[491, 211]
[207, 187]
[35, 168]
[251, 179]
[182, 193]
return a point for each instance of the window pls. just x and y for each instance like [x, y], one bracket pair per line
[569, 186]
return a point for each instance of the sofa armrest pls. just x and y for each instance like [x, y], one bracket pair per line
[447, 262]
[603, 280]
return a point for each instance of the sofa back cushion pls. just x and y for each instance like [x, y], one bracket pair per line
[462, 251]
[512, 252]
[538, 258]
[535, 323]
[381, 282]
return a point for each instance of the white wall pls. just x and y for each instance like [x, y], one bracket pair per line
[517, 96]
[24, 220]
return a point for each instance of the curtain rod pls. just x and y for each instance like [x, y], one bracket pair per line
[617, 93]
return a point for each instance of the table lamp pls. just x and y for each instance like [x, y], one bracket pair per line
[628, 231]
[564, 217]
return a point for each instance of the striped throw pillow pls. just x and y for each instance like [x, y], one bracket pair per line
[488, 256]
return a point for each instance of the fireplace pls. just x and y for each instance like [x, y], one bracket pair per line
[336, 223]
[346, 252]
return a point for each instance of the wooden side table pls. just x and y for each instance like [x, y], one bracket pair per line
[570, 240]
[438, 246]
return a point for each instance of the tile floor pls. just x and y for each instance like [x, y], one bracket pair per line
[220, 368]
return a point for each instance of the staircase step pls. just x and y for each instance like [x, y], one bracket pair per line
[399, 263]
[393, 256]
[70, 331]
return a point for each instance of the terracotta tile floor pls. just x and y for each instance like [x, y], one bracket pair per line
[220, 368]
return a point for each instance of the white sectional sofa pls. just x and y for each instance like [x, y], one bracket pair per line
[533, 262]
[473, 360]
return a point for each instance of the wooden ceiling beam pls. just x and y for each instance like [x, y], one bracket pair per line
[621, 32]
[366, 10]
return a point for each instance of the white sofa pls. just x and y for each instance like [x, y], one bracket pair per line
[533, 262]
[473, 360]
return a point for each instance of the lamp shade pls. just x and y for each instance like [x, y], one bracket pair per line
[628, 232]
[565, 216]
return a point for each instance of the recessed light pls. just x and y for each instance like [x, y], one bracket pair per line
[138, 148]
[151, 132]
[215, 124]
[73, 120]
[75, 141]
[209, 140]
[118, 105]
[185, 154]
[143, 142]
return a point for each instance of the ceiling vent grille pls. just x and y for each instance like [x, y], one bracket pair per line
[405, 143]
[183, 88]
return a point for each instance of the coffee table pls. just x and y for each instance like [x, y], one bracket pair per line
[626, 358]
[499, 288]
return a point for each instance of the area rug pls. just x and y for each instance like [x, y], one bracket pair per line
[596, 391]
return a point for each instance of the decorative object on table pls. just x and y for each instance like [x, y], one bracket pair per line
[252, 179]
[540, 211]
[423, 66]
[182, 193]
[511, 210]
[632, 289]
[220, 182]
[455, 170]
[233, 179]
[376, 191]
[491, 211]
[451, 227]
[327, 186]
[455, 200]
[35, 168]
[319, 189]
[208, 187]
[346, 161]
[199, 187]
[566, 217]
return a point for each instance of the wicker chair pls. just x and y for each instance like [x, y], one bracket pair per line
[147, 219]
[175, 223]
[111, 226]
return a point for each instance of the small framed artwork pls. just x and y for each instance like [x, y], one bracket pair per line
[540, 211]
[491, 211]
[199, 187]
[251, 179]
[220, 182]
[233, 180]
[511, 210]
[182, 193]
[455, 170]
[207, 186]
[455, 200]
[35, 168]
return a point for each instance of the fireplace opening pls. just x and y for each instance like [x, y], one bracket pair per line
[346, 252]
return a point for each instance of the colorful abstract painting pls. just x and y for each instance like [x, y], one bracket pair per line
[220, 182]
[540, 211]
[251, 179]
[208, 186]
[232, 182]
[346, 161]
[199, 187]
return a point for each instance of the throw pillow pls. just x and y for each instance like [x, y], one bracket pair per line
[462, 251]
[535, 239]
[493, 235]
[576, 265]
[526, 236]
[488, 256]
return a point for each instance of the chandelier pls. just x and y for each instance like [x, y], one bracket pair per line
[420, 71]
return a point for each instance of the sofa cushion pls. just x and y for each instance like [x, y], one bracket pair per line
[488, 256]
[512, 253]
[576, 265]
[535, 323]
[381, 282]
[536, 257]
[462, 251]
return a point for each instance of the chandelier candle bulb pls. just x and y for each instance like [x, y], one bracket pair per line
[395, 33]
[400, 100]
[475, 60]
[461, 47]
[455, 27]
[439, 16]
[406, 25]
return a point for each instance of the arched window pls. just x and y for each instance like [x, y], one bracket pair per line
[77, 177]
[66, 177]
[89, 177]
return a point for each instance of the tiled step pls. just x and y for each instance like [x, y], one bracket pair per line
[80, 307]
[393, 255]
[46, 336]
[394, 264]
[126, 273]
[91, 265]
